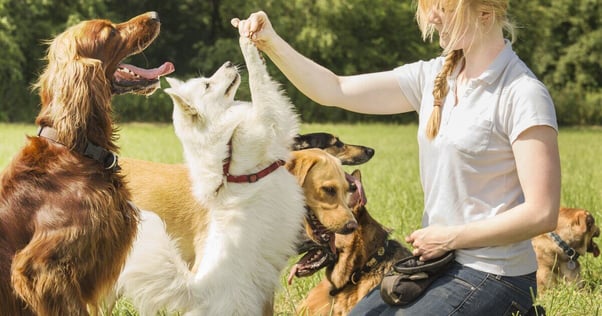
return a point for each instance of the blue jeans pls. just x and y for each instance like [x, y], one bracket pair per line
[460, 291]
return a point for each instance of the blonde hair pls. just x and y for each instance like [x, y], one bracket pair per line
[462, 16]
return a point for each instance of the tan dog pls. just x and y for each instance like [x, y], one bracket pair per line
[557, 255]
[165, 189]
[357, 266]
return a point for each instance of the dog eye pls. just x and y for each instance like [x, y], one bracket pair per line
[207, 85]
[330, 190]
[352, 187]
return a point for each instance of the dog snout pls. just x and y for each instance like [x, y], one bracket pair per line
[349, 228]
[229, 64]
[369, 152]
[589, 221]
[153, 16]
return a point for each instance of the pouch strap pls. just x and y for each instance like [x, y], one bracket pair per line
[413, 265]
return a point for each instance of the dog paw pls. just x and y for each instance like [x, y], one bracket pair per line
[250, 52]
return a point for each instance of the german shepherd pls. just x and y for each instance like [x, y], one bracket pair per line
[357, 265]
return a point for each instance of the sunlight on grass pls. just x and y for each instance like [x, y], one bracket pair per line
[393, 190]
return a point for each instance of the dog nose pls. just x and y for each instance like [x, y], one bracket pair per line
[229, 64]
[349, 228]
[369, 152]
[589, 221]
[153, 16]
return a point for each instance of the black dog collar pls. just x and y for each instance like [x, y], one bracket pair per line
[570, 252]
[107, 158]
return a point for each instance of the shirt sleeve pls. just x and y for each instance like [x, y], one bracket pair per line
[413, 79]
[530, 104]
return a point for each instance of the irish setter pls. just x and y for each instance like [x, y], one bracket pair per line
[66, 225]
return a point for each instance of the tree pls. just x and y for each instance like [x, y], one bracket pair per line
[564, 49]
[559, 39]
[24, 26]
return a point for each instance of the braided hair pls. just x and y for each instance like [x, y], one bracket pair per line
[440, 90]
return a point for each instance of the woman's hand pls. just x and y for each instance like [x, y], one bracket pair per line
[257, 27]
[433, 241]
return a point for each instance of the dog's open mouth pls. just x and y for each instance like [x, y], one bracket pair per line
[315, 258]
[132, 79]
[233, 85]
[319, 249]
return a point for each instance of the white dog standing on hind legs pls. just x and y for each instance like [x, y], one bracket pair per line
[253, 226]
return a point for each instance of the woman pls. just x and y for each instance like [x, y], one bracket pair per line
[488, 151]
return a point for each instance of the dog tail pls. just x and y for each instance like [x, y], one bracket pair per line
[155, 276]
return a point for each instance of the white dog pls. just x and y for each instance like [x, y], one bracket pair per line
[253, 226]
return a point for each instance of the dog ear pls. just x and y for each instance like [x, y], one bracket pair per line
[173, 82]
[181, 101]
[176, 97]
[299, 166]
[357, 174]
[581, 222]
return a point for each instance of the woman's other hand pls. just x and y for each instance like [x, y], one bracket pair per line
[433, 241]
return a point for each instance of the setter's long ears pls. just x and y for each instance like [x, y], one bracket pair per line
[73, 89]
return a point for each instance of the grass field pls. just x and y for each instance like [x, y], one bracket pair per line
[393, 189]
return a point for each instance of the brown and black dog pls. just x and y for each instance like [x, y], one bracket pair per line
[66, 224]
[558, 253]
[357, 266]
[347, 153]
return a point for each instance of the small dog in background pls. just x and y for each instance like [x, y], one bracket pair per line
[348, 154]
[558, 252]
[234, 151]
[66, 224]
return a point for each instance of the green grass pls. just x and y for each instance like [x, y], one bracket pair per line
[393, 189]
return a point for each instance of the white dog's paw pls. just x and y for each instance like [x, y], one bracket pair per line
[250, 52]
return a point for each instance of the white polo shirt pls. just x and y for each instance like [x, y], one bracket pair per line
[468, 171]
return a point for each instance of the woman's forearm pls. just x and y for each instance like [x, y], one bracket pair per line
[315, 81]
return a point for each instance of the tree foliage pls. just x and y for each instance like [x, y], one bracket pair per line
[561, 40]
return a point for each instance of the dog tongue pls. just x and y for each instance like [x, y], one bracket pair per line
[358, 198]
[331, 244]
[292, 274]
[150, 74]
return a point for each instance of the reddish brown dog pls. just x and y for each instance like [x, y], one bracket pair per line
[66, 224]
[557, 255]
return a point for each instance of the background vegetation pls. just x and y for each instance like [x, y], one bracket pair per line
[561, 40]
[393, 190]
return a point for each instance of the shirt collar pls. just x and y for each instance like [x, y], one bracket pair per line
[499, 64]
[495, 69]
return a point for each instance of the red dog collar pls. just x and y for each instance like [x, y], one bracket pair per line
[248, 178]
